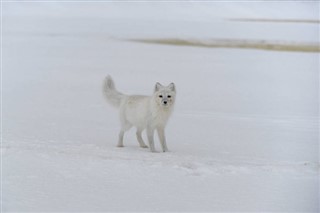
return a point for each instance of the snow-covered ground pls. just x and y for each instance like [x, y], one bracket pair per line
[244, 135]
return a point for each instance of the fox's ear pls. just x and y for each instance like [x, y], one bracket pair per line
[172, 87]
[157, 87]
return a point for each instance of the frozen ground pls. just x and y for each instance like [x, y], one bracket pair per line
[244, 135]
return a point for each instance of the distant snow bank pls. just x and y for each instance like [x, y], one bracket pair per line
[195, 11]
[183, 20]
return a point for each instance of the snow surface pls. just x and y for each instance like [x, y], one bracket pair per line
[244, 135]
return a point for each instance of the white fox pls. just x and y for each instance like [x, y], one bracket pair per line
[143, 112]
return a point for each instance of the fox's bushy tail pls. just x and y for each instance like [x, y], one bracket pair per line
[112, 96]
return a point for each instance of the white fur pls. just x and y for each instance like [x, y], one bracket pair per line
[143, 112]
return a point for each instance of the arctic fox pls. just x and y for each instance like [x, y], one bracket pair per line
[143, 112]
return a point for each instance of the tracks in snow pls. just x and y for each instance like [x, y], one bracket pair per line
[192, 165]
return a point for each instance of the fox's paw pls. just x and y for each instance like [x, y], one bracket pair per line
[144, 146]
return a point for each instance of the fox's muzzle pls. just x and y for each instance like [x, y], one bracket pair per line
[165, 101]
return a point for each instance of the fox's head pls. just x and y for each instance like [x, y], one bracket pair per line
[165, 95]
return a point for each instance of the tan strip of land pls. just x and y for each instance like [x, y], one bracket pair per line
[230, 43]
[308, 21]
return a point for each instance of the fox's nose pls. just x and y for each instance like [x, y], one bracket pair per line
[165, 102]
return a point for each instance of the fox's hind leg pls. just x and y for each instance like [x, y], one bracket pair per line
[140, 140]
[124, 128]
[120, 141]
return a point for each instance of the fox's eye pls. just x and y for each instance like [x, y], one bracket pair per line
[169, 96]
[160, 96]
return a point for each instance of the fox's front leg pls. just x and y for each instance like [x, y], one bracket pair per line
[150, 133]
[162, 139]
